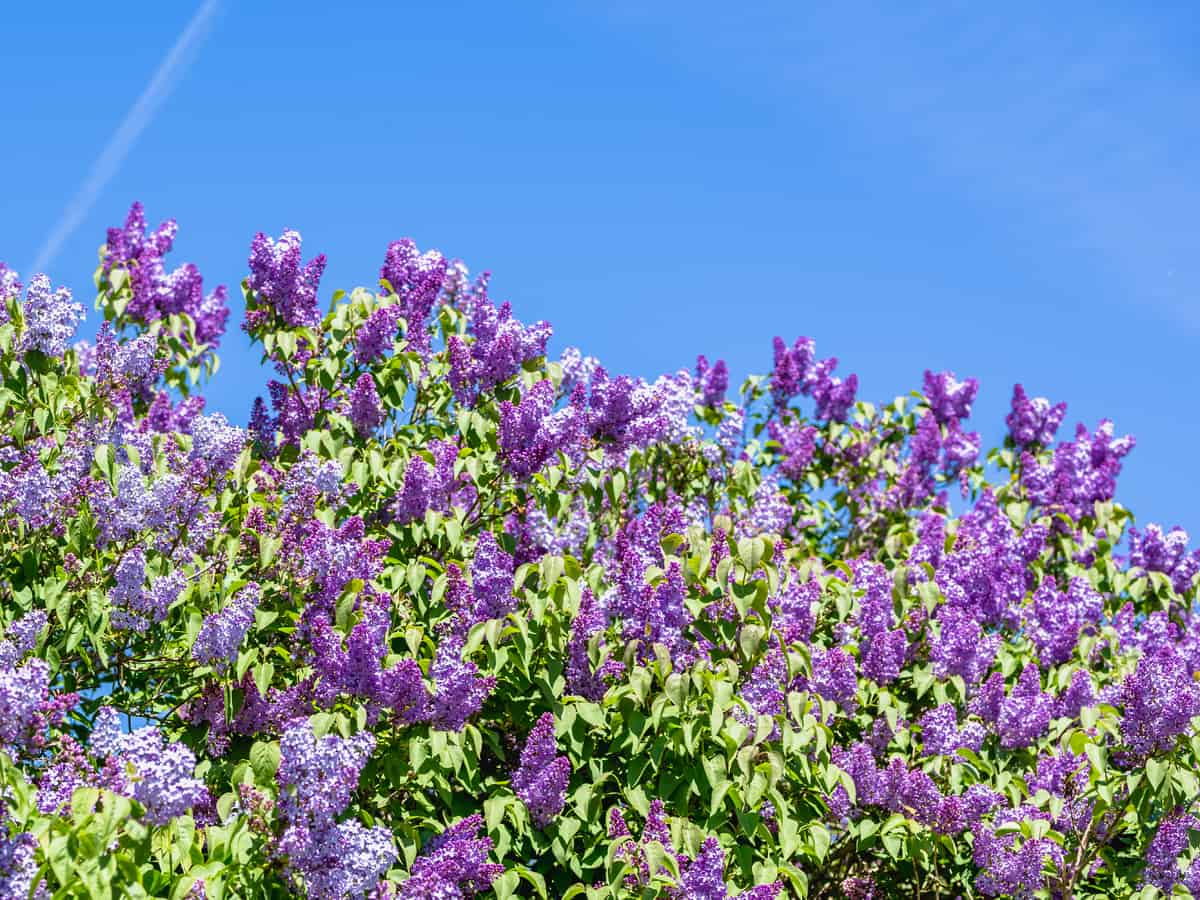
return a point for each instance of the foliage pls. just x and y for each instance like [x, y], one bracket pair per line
[449, 618]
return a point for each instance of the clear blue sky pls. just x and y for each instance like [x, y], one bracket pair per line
[1011, 193]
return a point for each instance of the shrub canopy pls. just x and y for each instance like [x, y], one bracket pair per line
[448, 618]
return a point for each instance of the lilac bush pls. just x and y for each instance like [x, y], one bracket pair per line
[435, 616]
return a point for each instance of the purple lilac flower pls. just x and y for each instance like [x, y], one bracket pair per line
[357, 668]
[210, 316]
[160, 774]
[875, 613]
[1082, 472]
[769, 513]
[1026, 713]
[1033, 421]
[1056, 619]
[916, 484]
[940, 734]
[884, 655]
[125, 245]
[136, 609]
[795, 607]
[453, 864]
[704, 877]
[500, 347]
[216, 442]
[338, 861]
[132, 365]
[491, 581]
[1008, 869]
[897, 788]
[792, 368]
[948, 398]
[1080, 692]
[762, 892]
[987, 699]
[417, 279]
[633, 853]
[280, 279]
[19, 866]
[294, 412]
[459, 690]
[834, 397]
[107, 735]
[165, 416]
[623, 412]
[1155, 551]
[1171, 840]
[577, 369]
[764, 690]
[675, 397]
[581, 680]
[797, 443]
[1063, 774]
[729, 435]
[129, 576]
[987, 572]
[426, 486]
[860, 887]
[156, 293]
[835, 678]
[713, 381]
[317, 778]
[402, 689]
[376, 335]
[541, 779]
[26, 706]
[69, 770]
[366, 409]
[10, 286]
[50, 317]
[565, 534]
[530, 433]
[335, 557]
[222, 633]
[21, 637]
[656, 614]
[797, 371]
[1158, 701]
[960, 449]
[960, 647]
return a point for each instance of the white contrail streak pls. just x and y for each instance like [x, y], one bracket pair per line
[127, 132]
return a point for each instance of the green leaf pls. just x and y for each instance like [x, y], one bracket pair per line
[264, 759]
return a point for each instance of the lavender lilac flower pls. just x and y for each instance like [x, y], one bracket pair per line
[50, 317]
[222, 633]
[159, 775]
[366, 409]
[541, 779]
[453, 864]
[1033, 422]
[286, 284]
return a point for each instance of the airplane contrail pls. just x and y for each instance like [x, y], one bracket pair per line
[127, 132]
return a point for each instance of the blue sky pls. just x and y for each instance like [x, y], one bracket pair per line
[1010, 193]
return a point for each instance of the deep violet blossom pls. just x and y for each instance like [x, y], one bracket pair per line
[541, 779]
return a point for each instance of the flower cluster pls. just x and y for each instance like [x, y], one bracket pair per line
[222, 633]
[316, 778]
[282, 283]
[453, 864]
[541, 779]
[157, 294]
